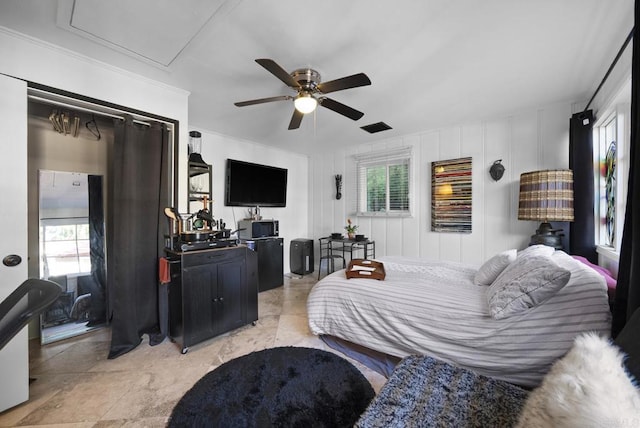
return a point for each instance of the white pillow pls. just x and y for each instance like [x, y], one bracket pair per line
[588, 387]
[525, 283]
[493, 267]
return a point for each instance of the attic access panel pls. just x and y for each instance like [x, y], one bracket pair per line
[152, 30]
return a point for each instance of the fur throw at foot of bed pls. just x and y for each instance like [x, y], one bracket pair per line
[586, 388]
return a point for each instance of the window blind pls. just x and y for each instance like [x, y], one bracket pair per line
[383, 182]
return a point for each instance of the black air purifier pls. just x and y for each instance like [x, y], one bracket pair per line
[301, 256]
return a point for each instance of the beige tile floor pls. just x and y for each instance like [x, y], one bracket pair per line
[77, 386]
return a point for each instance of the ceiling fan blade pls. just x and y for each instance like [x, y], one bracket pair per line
[295, 119]
[344, 110]
[278, 71]
[263, 100]
[348, 82]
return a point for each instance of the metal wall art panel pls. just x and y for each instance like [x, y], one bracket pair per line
[451, 195]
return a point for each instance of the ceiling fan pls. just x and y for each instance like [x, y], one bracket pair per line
[310, 91]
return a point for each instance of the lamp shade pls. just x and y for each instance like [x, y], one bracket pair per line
[546, 195]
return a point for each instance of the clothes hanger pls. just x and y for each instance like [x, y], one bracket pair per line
[92, 126]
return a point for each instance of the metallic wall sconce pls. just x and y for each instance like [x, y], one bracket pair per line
[497, 170]
[338, 178]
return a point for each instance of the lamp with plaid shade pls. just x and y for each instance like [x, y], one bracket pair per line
[546, 196]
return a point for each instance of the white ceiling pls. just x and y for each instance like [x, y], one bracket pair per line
[432, 63]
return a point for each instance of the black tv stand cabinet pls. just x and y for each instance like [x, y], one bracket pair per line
[211, 292]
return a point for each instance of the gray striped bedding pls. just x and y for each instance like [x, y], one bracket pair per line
[433, 308]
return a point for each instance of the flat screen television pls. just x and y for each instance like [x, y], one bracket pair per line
[251, 184]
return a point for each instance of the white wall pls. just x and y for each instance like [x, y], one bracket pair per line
[294, 218]
[40, 62]
[526, 141]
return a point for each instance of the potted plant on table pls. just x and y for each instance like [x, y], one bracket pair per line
[351, 229]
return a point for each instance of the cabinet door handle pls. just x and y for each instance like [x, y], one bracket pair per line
[222, 299]
[215, 300]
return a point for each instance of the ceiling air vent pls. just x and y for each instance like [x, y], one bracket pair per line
[376, 127]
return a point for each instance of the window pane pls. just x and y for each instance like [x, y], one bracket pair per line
[62, 257]
[610, 192]
[60, 233]
[84, 256]
[606, 191]
[85, 264]
[376, 188]
[399, 187]
[83, 247]
[61, 248]
[66, 250]
[83, 231]
[383, 182]
[62, 266]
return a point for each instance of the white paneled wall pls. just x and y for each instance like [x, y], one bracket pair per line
[537, 139]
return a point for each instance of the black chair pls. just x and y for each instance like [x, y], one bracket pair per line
[25, 303]
[60, 311]
[326, 253]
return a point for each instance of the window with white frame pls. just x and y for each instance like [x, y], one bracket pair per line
[607, 161]
[384, 181]
[64, 246]
[610, 150]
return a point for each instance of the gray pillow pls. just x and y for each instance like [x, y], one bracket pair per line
[525, 283]
[536, 250]
[493, 267]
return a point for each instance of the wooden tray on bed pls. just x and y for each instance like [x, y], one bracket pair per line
[364, 268]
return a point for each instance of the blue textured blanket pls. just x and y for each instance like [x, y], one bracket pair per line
[425, 392]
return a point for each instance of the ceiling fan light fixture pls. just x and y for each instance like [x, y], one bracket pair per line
[310, 91]
[305, 103]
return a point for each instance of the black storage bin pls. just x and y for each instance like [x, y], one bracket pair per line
[301, 256]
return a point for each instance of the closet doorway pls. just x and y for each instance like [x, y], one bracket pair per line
[70, 143]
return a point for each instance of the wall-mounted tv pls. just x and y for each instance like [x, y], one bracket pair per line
[251, 184]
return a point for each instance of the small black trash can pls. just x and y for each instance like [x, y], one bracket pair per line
[301, 256]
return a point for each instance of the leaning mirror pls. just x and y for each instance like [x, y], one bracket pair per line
[71, 249]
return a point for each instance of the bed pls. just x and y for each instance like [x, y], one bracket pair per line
[437, 309]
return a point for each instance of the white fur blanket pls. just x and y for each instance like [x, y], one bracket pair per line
[589, 387]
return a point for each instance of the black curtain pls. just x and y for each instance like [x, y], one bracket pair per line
[582, 229]
[98, 310]
[138, 192]
[628, 287]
